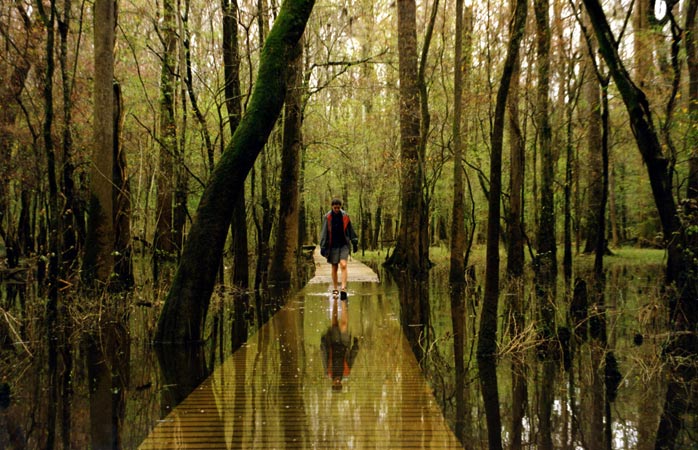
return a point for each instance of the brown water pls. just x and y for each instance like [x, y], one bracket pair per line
[99, 383]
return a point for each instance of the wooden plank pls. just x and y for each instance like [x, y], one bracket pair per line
[274, 392]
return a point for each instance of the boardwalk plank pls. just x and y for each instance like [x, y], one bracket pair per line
[274, 391]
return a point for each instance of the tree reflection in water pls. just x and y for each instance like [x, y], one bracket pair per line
[122, 393]
[576, 388]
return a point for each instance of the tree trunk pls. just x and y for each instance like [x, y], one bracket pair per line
[98, 262]
[692, 63]
[284, 264]
[378, 221]
[569, 170]
[679, 267]
[164, 244]
[123, 266]
[515, 245]
[592, 95]
[412, 233]
[546, 261]
[515, 259]
[457, 267]
[71, 212]
[645, 134]
[231, 61]
[185, 308]
[487, 342]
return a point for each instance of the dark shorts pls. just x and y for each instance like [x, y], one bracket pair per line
[337, 254]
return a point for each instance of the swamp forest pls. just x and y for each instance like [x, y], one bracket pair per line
[522, 176]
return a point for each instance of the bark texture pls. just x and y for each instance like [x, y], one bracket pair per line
[412, 233]
[164, 241]
[98, 261]
[283, 270]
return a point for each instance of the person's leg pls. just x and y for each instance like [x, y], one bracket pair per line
[343, 264]
[334, 275]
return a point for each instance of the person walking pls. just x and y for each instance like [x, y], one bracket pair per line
[337, 233]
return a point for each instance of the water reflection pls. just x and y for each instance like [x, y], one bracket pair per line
[338, 348]
[275, 389]
[182, 369]
[108, 368]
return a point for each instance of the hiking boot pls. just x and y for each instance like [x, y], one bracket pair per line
[343, 295]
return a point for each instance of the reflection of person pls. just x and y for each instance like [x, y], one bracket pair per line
[338, 349]
[337, 233]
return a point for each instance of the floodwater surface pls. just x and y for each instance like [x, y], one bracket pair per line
[99, 383]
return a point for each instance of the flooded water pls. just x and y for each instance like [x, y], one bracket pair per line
[99, 384]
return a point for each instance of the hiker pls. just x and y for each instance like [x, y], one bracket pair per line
[338, 349]
[337, 234]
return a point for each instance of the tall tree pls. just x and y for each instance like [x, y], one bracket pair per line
[164, 241]
[487, 341]
[284, 263]
[185, 308]
[546, 258]
[681, 267]
[48, 19]
[72, 214]
[692, 63]
[515, 243]
[515, 256]
[412, 234]
[123, 264]
[10, 92]
[546, 261]
[231, 69]
[98, 262]
[457, 270]
[592, 95]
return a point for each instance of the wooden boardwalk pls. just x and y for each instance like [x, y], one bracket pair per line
[275, 392]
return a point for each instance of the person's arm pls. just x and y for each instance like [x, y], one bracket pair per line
[324, 233]
[352, 237]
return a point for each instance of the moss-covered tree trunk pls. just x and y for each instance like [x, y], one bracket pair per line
[184, 312]
[163, 242]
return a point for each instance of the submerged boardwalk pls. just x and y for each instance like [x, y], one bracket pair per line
[275, 392]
